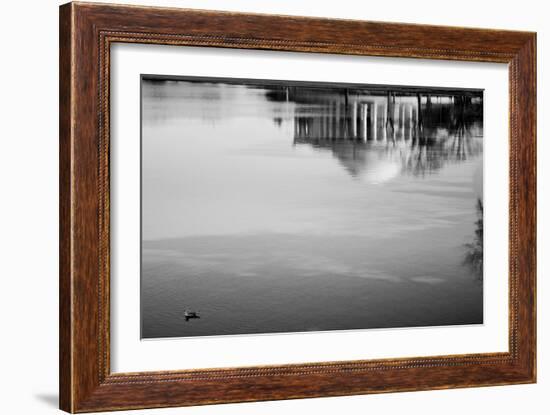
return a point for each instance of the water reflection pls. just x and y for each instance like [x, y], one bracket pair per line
[422, 135]
[419, 129]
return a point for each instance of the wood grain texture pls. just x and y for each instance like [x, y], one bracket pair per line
[65, 138]
[86, 33]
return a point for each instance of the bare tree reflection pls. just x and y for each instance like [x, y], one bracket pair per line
[474, 250]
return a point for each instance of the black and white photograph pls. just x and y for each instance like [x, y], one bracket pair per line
[278, 206]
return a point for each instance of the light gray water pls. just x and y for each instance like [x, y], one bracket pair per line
[283, 210]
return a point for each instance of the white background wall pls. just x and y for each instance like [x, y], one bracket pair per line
[28, 207]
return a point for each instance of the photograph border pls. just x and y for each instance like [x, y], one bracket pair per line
[86, 33]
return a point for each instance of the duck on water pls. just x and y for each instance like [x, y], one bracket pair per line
[189, 314]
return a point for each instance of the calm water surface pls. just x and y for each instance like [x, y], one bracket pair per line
[292, 209]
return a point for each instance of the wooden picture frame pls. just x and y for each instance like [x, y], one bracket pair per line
[86, 33]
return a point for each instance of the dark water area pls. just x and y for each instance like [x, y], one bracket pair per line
[287, 208]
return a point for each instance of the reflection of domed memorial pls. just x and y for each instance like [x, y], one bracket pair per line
[378, 136]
